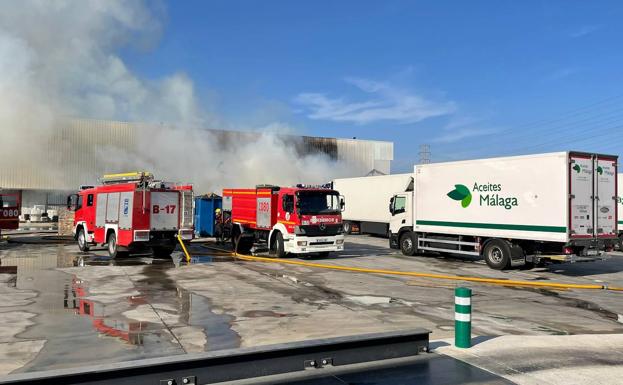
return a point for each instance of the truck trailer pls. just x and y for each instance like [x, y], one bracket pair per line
[132, 211]
[511, 211]
[366, 201]
[296, 220]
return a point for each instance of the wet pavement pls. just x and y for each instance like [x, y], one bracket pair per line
[61, 308]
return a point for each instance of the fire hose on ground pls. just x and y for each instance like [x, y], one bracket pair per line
[490, 281]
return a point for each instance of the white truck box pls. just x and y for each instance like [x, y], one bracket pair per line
[562, 198]
[367, 200]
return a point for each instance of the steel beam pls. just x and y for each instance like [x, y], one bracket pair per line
[238, 364]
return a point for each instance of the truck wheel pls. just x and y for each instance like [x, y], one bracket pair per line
[280, 251]
[497, 254]
[244, 245]
[162, 252]
[347, 227]
[83, 245]
[113, 247]
[408, 243]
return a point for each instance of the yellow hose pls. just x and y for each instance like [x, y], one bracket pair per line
[179, 238]
[492, 281]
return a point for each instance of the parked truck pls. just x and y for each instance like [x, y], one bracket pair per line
[511, 211]
[297, 220]
[366, 198]
[620, 211]
[10, 205]
[132, 211]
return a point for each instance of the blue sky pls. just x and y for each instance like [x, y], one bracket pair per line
[470, 78]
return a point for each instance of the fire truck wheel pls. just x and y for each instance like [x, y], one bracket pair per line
[280, 251]
[162, 252]
[82, 241]
[113, 248]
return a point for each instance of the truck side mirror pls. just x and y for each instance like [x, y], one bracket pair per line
[342, 203]
[72, 202]
[391, 205]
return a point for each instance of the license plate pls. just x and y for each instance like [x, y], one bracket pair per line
[592, 252]
[322, 240]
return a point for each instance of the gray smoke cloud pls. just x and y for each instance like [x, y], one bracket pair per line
[60, 58]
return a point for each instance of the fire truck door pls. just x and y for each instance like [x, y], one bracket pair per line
[125, 210]
[112, 208]
[100, 210]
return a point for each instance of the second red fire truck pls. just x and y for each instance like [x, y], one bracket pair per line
[10, 203]
[297, 220]
[132, 211]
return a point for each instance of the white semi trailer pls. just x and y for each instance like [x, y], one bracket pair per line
[366, 201]
[511, 211]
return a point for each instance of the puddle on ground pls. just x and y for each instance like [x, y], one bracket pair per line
[97, 320]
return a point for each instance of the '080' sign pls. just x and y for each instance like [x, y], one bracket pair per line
[10, 213]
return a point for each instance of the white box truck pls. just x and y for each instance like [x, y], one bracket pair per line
[366, 201]
[511, 211]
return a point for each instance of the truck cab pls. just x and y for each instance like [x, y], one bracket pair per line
[400, 208]
[10, 206]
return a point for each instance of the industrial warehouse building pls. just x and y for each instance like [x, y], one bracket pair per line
[71, 155]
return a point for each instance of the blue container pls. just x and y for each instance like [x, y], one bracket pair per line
[205, 207]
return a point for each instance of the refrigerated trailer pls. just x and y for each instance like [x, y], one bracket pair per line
[366, 201]
[511, 211]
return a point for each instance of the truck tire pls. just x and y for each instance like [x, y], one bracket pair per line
[279, 248]
[83, 245]
[347, 227]
[113, 247]
[408, 243]
[162, 252]
[497, 254]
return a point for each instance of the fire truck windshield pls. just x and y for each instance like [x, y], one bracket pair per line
[7, 200]
[318, 202]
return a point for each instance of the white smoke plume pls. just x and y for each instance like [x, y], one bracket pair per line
[60, 58]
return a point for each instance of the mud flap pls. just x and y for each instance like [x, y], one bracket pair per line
[518, 257]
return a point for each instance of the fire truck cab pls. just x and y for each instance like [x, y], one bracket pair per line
[132, 211]
[297, 220]
[10, 206]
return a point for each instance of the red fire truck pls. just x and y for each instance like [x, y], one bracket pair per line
[297, 220]
[10, 203]
[132, 211]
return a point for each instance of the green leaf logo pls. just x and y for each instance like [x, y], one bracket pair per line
[461, 193]
[600, 170]
[577, 168]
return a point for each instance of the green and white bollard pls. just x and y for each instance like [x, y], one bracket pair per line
[462, 317]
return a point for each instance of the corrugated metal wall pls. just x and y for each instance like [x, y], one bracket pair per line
[73, 154]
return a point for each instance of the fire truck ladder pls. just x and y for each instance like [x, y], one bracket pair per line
[137, 176]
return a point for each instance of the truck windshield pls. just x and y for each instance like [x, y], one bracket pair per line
[8, 200]
[318, 202]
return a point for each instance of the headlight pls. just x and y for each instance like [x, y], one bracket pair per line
[339, 241]
[301, 243]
